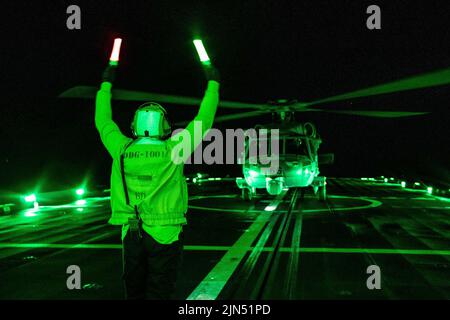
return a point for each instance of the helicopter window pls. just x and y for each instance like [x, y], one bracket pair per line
[296, 146]
[256, 149]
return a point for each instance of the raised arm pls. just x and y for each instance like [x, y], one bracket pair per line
[204, 118]
[208, 106]
[103, 112]
[110, 134]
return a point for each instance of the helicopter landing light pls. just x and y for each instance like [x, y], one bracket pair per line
[253, 173]
[30, 198]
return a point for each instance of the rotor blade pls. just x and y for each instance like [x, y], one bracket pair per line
[432, 79]
[240, 105]
[234, 116]
[375, 114]
[89, 92]
[241, 115]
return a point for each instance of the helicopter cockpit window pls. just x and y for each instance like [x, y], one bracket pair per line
[256, 149]
[296, 146]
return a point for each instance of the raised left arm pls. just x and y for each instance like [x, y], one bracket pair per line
[103, 111]
[110, 134]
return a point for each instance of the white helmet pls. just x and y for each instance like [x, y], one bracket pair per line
[150, 120]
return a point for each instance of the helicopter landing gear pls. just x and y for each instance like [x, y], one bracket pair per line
[322, 193]
[302, 193]
[247, 194]
[320, 188]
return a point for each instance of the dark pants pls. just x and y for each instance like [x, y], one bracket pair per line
[150, 268]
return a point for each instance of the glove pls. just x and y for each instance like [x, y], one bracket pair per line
[109, 75]
[211, 73]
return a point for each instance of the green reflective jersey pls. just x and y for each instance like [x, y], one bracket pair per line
[155, 182]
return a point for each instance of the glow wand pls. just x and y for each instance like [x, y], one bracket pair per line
[114, 59]
[204, 59]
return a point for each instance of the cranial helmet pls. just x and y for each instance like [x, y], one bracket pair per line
[150, 120]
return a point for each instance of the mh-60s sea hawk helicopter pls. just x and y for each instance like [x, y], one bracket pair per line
[297, 157]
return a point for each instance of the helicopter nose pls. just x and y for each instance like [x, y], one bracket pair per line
[275, 186]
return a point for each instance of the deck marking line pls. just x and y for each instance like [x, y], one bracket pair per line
[226, 248]
[211, 286]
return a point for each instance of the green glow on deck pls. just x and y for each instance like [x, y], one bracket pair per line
[430, 190]
[30, 213]
[227, 248]
[80, 191]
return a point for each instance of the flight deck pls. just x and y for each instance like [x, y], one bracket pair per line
[290, 246]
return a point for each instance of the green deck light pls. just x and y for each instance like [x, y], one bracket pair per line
[403, 184]
[270, 208]
[386, 180]
[30, 198]
[114, 59]
[30, 214]
[430, 190]
[80, 191]
[204, 58]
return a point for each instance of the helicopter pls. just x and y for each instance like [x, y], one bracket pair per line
[299, 158]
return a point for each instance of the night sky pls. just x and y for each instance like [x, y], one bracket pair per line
[265, 50]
